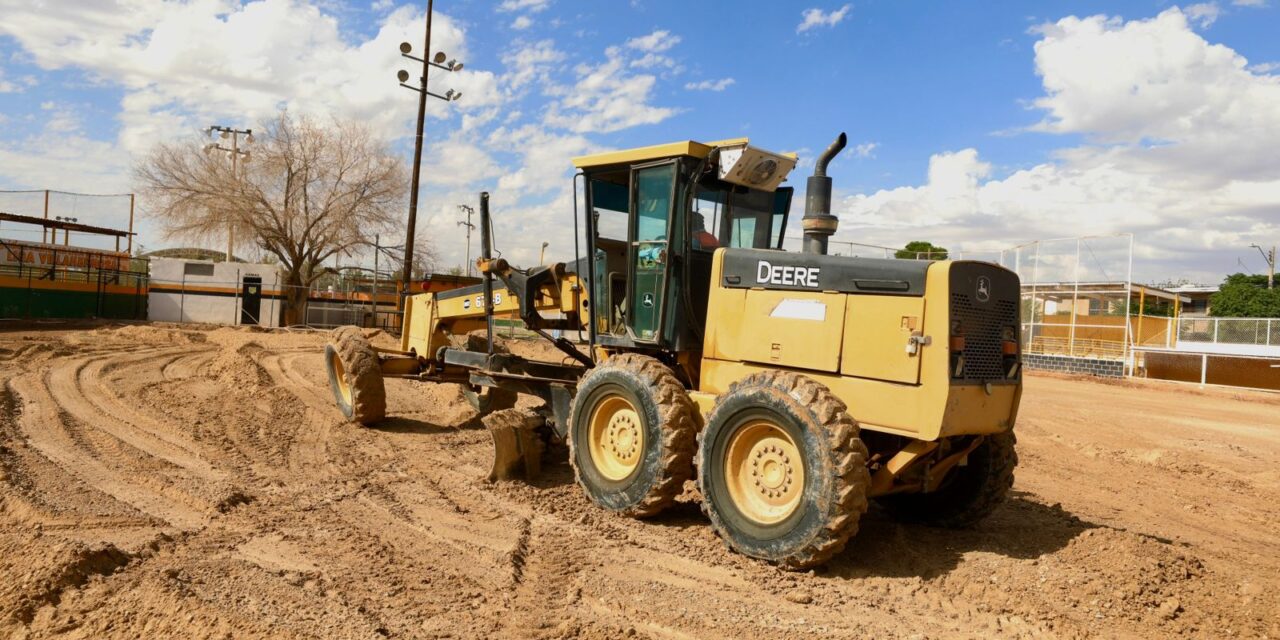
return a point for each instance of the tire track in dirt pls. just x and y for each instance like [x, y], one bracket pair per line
[46, 429]
[185, 365]
[90, 397]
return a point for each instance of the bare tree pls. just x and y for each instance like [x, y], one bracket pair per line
[312, 191]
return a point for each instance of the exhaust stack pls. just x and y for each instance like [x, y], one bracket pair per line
[818, 222]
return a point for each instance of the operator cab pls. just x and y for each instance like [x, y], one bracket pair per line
[656, 215]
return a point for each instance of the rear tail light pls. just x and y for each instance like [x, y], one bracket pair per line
[957, 343]
[1009, 348]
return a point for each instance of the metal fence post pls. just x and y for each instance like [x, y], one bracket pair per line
[1215, 330]
[1204, 367]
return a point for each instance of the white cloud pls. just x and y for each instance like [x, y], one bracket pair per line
[60, 118]
[1203, 14]
[812, 18]
[524, 5]
[865, 150]
[381, 6]
[1264, 67]
[458, 162]
[6, 86]
[521, 23]
[184, 63]
[710, 85]
[654, 46]
[1249, 3]
[656, 42]
[1181, 146]
[607, 98]
[65, 159]
[532, 63]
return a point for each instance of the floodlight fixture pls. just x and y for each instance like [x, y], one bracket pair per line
[440, 57]
[405, 47]
[402, 75]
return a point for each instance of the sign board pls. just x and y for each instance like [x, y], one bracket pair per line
[30, 254]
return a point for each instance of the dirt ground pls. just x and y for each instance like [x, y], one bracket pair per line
[169, 482]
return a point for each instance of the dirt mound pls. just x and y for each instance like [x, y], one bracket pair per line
[238, 368]
[146, 334]
[57, 566]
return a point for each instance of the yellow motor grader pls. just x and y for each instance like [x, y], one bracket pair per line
[795, 386]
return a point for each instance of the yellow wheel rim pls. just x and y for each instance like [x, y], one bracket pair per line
[340, 374]
[615, 438]
[764, 472]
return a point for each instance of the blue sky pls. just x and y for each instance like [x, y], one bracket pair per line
[977, 125]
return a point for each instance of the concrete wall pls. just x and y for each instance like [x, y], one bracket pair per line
[210, 292]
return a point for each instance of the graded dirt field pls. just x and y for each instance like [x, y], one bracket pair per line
[175, 482]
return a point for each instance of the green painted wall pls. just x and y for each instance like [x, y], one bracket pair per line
[48, 303]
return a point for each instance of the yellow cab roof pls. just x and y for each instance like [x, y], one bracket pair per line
[654, 152]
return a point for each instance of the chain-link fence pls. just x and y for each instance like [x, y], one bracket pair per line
[1231, 331]
[1077, 295]
[113, 211]
[359, 302]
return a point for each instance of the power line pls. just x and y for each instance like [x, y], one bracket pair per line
[68, 193]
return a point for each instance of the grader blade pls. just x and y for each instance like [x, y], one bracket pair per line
[517, 447]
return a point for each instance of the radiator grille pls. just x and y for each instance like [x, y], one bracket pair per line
[982, 327]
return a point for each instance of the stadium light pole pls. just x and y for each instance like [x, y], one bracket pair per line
[427, 62]
[235, 152]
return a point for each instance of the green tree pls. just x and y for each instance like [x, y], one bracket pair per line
[1245, 296]
[921, 250]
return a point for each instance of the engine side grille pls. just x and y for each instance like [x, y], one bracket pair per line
[982, 327]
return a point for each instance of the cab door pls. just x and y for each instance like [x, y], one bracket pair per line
[653, 190]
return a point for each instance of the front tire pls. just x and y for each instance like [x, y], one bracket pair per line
[355, 377]
[968, 494]
[632, 430]
[782, 470]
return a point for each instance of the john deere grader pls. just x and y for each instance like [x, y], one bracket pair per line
[795, 387]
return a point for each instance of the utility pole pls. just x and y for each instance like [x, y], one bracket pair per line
[235, 153]
[542, 255]
[469, 226]
[1270, 257]
[373, 295]
[427, 63]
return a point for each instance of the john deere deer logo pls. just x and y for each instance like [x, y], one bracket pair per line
[983, 292]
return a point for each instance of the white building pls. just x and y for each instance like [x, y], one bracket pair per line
[215, 292]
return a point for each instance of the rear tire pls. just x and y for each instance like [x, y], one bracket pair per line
[968, 494]
[782, 470]
[355, 377]
[632, 434]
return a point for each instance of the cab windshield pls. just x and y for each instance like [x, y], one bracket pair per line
[726, 215]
